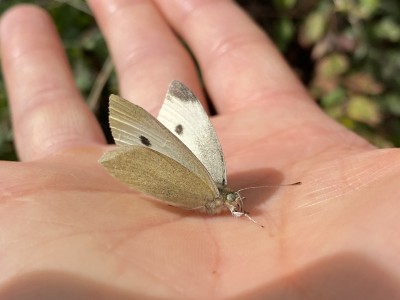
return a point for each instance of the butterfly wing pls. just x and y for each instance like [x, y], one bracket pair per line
[156, 174]
[183, 114]
[131, 125]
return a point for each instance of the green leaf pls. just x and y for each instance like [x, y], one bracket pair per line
[367, 8]
[335, 112]
[312, 29]
[387, 29]
[82, 75]
[392, 103]
[285, 4]
[284, 32]
[363, 109]
[363, 83]
[333, 98]
[333, 65]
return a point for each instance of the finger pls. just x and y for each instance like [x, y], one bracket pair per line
[146, 53]
[244, 73]
[240, 64]
[48, 113]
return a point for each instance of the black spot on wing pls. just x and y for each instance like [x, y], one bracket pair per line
[145, 141]
[181, 92]
[179, 129]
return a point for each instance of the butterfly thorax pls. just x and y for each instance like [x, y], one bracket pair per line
[227, 200]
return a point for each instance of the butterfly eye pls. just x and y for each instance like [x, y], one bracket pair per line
[231, 197]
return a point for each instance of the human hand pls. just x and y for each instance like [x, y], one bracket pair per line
[68, 228]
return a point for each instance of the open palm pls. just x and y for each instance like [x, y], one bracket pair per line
[67, 228]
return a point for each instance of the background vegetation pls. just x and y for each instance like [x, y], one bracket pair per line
[346, 51]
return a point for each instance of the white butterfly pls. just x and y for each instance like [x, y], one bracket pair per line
[176, 158]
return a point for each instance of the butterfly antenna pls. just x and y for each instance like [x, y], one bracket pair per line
[246, 214]
[267, 186]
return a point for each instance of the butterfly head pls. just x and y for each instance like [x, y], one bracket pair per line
[234, 202]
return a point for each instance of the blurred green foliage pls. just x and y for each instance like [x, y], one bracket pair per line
[346, 51]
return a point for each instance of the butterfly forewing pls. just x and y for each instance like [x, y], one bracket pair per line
[183, 114]
[158, 175]
[132, 125]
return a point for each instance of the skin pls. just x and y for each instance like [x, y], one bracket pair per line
[68, 228]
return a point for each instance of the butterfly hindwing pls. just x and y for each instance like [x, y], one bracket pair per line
[183, 114]
[158, 175]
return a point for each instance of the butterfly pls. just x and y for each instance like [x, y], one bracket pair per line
[176, 158]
